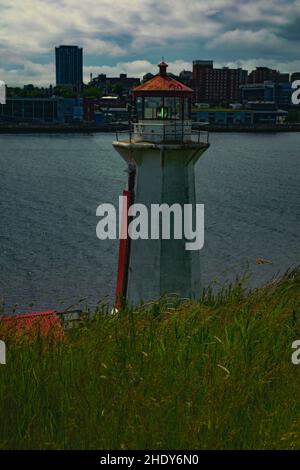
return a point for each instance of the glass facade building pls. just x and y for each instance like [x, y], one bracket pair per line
[69, 66]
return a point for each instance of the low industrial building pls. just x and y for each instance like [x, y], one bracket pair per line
[42, 110]
[278, 92]
[105, 109]
[254, 114]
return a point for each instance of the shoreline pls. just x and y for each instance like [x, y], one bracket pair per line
[60, 129]
[254, 129]
[113, 127]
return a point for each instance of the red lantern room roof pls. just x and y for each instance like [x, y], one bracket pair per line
[162, 84]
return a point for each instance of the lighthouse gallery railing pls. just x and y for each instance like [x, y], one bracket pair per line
[163, 132]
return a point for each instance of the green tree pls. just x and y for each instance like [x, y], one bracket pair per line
[92, 92]
[118, 89]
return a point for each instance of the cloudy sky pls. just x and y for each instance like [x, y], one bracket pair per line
[132, 35]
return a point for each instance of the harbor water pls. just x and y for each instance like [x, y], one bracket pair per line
[51, 186]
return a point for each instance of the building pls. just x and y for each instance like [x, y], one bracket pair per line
[69, 66]
[253, 114]
[70, 110]
[258, 92]
[198, 66]
[121, 84]
[216, 85]
[279, 93]
[106, 109]
[186, 77]
[147, 77]
[42, 110]
[199, 77]
[263, 74]
[283, 94]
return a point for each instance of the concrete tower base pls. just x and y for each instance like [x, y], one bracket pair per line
[164, 174]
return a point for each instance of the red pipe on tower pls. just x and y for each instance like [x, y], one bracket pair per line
[124, 244]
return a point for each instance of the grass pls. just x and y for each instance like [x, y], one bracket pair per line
[216, 374]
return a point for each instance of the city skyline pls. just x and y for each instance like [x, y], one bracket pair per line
[130, 37]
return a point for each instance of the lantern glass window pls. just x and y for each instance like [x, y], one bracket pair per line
[187, 108]
[153, 108]
[173, 107]
[163, 108]
[139, 107]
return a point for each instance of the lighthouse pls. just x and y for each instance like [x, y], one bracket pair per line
[160, 153]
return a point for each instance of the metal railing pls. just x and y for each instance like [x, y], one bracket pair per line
[168, 134]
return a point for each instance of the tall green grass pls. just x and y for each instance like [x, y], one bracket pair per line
[216, 374]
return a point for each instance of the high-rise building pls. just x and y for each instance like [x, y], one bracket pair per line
[263, 74]
[200, 71]
[216, 85]
[69, 67]
[107, 84]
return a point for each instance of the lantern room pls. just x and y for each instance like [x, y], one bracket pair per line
[163, 110]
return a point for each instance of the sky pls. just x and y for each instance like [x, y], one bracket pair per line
[131, 36]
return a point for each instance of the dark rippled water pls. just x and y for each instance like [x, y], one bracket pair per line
[50, 187]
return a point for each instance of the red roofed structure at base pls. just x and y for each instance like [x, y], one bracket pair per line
[44, 324]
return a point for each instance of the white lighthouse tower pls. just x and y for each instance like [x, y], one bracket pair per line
[161, 153]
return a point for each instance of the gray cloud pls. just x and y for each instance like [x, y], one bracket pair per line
[117, 33]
